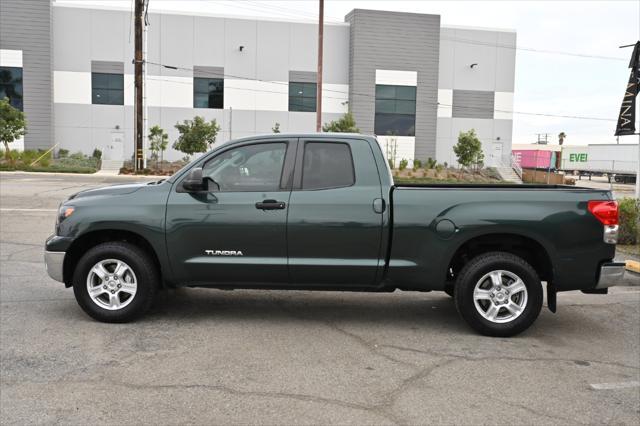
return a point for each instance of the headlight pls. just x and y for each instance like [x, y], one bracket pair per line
[64, 212]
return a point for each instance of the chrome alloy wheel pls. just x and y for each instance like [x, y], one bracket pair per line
[500, 296]
[111, 284]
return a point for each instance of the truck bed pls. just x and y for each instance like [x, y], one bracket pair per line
[491, 186]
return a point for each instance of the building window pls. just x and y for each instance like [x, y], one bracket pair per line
[302, 97]
[395, 110]
[11, 86]
[208, 92]
[107, 88]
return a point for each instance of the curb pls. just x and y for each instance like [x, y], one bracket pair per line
[633, 266]
[96, 175]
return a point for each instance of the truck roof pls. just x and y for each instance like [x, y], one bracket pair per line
[322, 135]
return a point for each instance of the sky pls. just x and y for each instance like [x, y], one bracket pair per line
[589, 82]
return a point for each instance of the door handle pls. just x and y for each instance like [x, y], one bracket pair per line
[270, 205]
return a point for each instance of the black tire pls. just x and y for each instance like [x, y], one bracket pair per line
[143, 268]
[475, 270]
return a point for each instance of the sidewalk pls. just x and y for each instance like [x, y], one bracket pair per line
[98, 174]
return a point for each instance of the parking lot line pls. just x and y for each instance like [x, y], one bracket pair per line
[619, 385]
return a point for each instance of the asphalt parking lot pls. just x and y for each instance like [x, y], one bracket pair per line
[245, 357]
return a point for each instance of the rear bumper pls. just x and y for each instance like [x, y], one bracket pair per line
[54, 261]
[611, 274]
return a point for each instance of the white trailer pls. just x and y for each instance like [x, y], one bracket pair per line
[619, 161]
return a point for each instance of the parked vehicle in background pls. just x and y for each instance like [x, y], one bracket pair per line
[617, 161]
[321, 212]
[535, 159]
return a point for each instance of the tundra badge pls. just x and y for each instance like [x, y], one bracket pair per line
[223, 253]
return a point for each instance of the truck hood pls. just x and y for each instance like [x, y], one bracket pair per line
[109, 190]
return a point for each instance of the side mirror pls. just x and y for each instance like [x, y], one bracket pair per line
[194, 181]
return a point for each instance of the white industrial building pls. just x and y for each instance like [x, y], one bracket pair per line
[70, 69]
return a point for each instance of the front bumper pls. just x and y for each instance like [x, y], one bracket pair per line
[611, 274]
[54, 261]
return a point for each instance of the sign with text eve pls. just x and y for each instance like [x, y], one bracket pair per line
[580, 157]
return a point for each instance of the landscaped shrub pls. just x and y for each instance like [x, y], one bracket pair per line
[431, 163]
[29, 156]
[416, 164]
[97, 154]
[76, 160]
[403, 164]
[62, 153]
[629, 217]
[14, 156]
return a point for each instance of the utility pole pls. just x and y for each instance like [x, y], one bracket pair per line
[138, 65]
[319, 83]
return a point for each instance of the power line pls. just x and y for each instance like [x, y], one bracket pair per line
[218, 75]
[531, 49]
[541, 114]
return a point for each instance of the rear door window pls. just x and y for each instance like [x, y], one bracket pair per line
[327, 165]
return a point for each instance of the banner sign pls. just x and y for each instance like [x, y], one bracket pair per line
[627, 118]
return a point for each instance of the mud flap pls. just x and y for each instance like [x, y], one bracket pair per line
[551, 297]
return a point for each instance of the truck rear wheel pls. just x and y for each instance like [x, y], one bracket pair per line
[115, 282]
[498, 294]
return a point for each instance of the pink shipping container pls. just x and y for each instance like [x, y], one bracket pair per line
[534, 159]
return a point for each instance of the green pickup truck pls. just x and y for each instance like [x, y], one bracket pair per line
[321, 212]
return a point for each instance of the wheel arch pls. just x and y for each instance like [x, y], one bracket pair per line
[86, 241]
[529, 248]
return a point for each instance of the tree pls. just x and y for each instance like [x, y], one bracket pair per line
[276, 128]
[469, 149]
[561, 137]
[158, 141]
[12, 125]
[196, 135]
[346, 124]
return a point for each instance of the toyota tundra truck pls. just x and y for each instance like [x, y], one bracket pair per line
[321, 212]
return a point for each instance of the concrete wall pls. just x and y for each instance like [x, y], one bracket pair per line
[478, 97]
[25, 30]
[256, 78]
[395, 41]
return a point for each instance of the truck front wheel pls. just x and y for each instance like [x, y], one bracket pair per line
[115, 282]
[498, 294]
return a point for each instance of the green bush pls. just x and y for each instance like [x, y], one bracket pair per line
[28, 156]
[77, 156]
[14, 156]
[431, 163]
[63, 153]
[629, 232]
[403, 164]
[416, 164]
[97, 154]
[439, 168]
[75, 161]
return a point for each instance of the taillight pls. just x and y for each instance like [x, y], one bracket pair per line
[605, 211]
